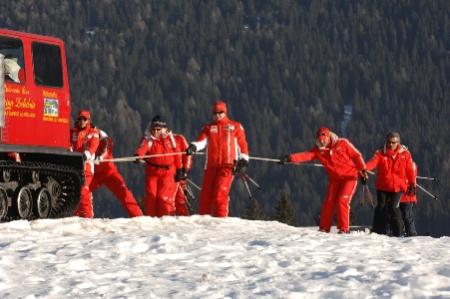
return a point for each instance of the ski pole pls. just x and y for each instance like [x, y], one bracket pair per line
[189, 192]
[251, 180]
[427, 178]
[189, 197]
[133, 158]
[244, 181]
[366, 193]
[362, 201]
[189, 206]
[427, 192]
[369, 196]
[194, 184]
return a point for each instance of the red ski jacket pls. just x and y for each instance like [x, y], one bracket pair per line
[85, 141]
[226, 142]
[150, 145]
[182, 144]
[394, 169]
[342, 161]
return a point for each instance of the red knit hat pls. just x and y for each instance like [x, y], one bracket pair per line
[323, 133]
[219, 106]
[84, 113]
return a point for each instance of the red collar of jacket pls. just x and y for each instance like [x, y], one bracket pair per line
[392, 153]
[220, 121]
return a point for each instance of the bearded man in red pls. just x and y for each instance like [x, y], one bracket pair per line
[85, 139]
[163, 171]
[227, 149]
[107, 174]
[343, 164]
[395, 176]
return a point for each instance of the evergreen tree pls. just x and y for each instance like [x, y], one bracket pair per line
[285, 210]
[254, 211]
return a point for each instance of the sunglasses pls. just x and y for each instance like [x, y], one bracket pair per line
[218, 112]
[82, 118]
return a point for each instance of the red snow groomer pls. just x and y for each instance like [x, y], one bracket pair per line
[39, 176]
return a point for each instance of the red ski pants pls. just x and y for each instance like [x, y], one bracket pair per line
[160, 191]
[111, 179]
[180, 200]
[85, 208]
[338, 198]
[215, 189]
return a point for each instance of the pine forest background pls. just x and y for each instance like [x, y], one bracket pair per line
[285, 68]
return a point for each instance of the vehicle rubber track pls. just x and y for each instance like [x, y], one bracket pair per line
[64, 183]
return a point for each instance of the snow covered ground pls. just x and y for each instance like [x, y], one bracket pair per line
[204, 257]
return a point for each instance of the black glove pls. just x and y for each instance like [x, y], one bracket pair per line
[363, 176]
[137, 161]
[284, 159]
[411, 191]
[363, 180]
[191, 149]
[241, 166]
[180, 175]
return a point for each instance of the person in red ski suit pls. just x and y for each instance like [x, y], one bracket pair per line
[227, 149]
[395, 176]
[85, 139]
[181, 204]
[162, 173]
[107, 174]
[407, 206]
[344, 164]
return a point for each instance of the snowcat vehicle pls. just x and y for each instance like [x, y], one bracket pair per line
[39, 176]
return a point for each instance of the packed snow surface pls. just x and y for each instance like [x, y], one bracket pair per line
[204, 257]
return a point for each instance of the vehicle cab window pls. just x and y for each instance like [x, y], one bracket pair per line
[13, 63]
[47, 65]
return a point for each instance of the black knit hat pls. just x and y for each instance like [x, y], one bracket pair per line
[157, 121]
